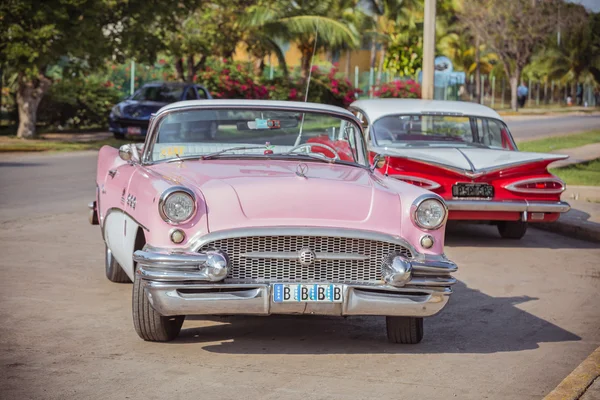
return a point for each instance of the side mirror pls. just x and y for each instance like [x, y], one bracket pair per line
[378, 162]
[128, 152]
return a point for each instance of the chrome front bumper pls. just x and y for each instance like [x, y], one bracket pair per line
[178, 284]
[510, 205]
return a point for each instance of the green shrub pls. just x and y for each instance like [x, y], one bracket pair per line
[78, 103]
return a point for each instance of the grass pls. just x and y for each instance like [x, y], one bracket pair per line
[13, 144]
[560, 142]
[583, 174]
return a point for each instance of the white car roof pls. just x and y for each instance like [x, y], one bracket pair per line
[292, 105]
[377, 108]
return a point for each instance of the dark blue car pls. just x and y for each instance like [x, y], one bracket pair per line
[130, 117]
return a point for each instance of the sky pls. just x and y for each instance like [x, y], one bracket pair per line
[592, 5]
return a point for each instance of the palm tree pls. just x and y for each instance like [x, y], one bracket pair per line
[307, 23]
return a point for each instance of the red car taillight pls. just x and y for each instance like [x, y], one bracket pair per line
[538, 185]
[420, 182]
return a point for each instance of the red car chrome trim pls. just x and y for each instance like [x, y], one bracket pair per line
[513, 186]
[514, 205]
[429, 184]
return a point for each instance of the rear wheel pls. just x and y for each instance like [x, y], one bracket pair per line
[512, 229]
[114, 271]
[149, 324]
[404, 330]
[118, 135]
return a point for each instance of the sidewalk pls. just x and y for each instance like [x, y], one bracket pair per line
[583, 220]
[577, 155]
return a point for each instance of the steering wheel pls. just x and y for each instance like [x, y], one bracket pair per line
[331, 149]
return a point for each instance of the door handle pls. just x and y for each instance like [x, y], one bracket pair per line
[112, 172]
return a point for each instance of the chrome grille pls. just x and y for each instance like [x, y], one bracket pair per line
[244, 269]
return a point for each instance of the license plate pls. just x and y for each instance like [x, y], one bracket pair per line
[303, 293]
[473, 190]
[134, 130]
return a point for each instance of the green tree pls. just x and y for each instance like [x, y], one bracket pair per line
[36, 35]
[578, 53]
[513, 30]
[307, 23]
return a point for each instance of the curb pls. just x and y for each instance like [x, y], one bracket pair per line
[574, 229]
[578, 381]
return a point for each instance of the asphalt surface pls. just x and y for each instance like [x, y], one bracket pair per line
[524, 314]
[537, 127]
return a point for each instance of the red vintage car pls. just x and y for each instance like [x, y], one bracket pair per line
[465, 153]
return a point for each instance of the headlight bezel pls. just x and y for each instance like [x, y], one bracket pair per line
[165, 196]
[116, 111]
[415, 208]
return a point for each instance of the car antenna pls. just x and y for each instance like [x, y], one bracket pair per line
[312, 60]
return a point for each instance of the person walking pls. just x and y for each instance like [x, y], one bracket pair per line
[522, 92]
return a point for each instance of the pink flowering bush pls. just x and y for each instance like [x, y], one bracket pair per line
[399, 89]
[227, 79]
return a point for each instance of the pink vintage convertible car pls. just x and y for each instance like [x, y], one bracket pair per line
[279, 213]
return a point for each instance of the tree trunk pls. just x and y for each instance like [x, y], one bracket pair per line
[190, 68]
[514, 84]
[29, 95]
[179, 69]
[477, 70]
[306, 51]
[373, 53]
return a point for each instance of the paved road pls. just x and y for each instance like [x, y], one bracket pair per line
[536, 127]
[523, 316]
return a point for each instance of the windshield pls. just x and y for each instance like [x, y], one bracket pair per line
[264, 133]
[163, 94]
[439, 131]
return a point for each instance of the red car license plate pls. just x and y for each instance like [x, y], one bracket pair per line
[134, 130]
[473, 190]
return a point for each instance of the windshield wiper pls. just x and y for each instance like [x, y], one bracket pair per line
[216, 153]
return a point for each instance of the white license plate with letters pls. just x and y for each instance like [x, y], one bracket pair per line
[305, 293]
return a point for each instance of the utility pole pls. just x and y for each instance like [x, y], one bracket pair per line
[428, 50]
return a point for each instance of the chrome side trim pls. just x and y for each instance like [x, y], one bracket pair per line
[200, 240]
[290, 255]
[169, 259]
[511, 206]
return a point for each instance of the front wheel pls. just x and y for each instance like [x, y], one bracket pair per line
[149, 324]
[512, 229]
[404, 330]
[114, 271]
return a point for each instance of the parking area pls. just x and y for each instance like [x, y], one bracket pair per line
[524, 314]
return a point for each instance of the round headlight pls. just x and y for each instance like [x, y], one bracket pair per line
[430, 214]
[177, 205]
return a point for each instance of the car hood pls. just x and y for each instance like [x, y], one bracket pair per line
[249, 193]
[471, 161]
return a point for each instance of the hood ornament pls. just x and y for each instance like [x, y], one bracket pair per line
[301, 170]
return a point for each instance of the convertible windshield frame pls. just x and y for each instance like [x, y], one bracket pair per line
[155, 121]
